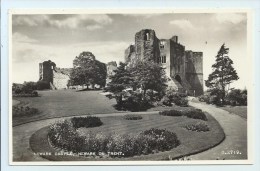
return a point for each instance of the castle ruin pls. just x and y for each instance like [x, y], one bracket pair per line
[183, 68]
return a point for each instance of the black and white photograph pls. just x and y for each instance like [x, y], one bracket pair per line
[95, 87]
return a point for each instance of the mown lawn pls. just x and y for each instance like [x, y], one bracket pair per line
[190, 141]
[60, 103]
[237, 110]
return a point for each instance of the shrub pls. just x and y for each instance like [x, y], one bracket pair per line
[183, 102]
[171, 113]
[177, 98]
[90, 121]
[195, 114]
[199, 127]
[237, 97]
[23, 111]
[133, 117]
[62, 134]
[204, 98]
[42, 85]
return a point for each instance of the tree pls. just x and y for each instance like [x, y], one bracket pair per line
[88, 71]
[149, 75]
[223, 73]
[121, 80]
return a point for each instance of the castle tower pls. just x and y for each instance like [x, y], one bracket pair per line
[146, 45]
[46, 71]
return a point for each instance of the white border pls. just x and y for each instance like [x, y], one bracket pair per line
[250, 50]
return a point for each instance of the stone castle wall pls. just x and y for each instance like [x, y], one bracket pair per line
[183, 68]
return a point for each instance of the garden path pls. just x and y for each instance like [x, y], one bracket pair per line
[235, 129]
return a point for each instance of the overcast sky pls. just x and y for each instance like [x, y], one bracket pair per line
[61, 38]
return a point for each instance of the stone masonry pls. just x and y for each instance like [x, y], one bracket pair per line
[184, 68]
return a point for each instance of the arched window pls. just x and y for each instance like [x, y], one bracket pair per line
[147, 36]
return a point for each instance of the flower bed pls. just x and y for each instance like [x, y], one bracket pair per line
[23, 111]
[199, 127]
[192, 113]
[90, 121]
[64, 135]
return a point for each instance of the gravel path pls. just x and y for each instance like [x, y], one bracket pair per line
[235, 129]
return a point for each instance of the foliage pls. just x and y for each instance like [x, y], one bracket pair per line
[172, 112]
[63, 135]
[199, 127]
[223, 73]
[171, 96]
[133, 117]
[88, 71]
[28, 89]
[149, 75]
[23, 111]
[89, 121]
[196, 114]
[204, 98]
[42, 85]
[121, 80]
[136, 88]
[192, 113]
[237, 97]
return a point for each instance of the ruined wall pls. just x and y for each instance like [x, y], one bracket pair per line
[60, 80]
[45, 71]
[184, 68]
[111, 66]
[128, 53]
[194, 71]
[165, 57]
[146, 45]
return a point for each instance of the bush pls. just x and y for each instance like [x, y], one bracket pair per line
[90, 121]
[199, 127]
[133, 117]
[237, 97]
[23, 111]
[183, 102]
[204, 98]
[194, 113]
[63, 135]
[171, 113]
[42, 85]
[177, 98]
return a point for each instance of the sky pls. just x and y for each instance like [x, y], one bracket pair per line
[62, 37]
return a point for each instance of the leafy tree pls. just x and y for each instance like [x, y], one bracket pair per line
[149, 75]
[88, 71]
[223, 73]
[120, 80]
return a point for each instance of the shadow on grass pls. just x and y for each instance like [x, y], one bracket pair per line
[87, 89]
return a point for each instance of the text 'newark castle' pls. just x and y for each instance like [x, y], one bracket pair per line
[184, 68]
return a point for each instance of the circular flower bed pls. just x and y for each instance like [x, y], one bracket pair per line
[64, 135]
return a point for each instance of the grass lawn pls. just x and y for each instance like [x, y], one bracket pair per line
[59, 103]
[237, 110]
[190, 141]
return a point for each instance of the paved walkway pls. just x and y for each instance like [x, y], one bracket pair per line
[235, 129]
